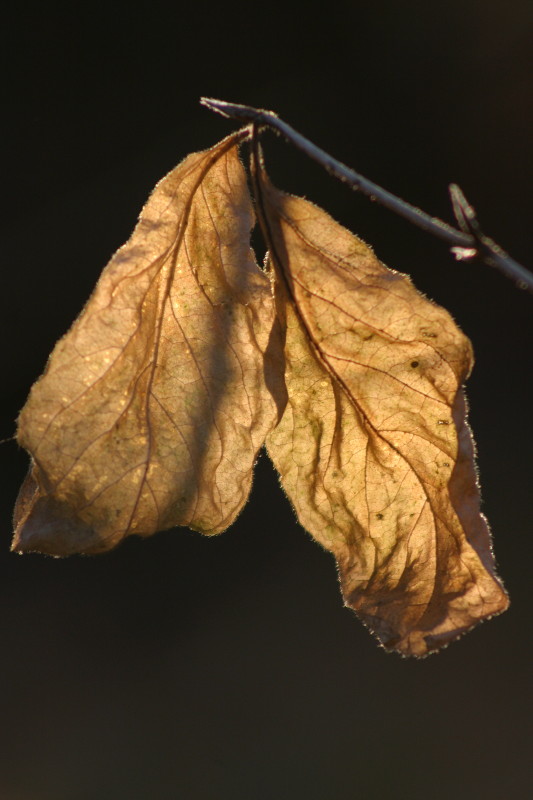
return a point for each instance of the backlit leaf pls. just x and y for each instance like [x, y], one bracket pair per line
[154, 405]
[373, 449]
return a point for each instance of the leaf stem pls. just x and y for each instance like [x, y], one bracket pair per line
[467, 243]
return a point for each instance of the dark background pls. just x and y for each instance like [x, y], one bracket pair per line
[188, 667]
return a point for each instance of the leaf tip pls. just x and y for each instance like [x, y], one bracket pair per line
[44, 524]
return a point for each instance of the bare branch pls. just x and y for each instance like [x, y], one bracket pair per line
[468, 243]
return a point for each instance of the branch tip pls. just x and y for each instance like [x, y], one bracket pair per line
[238, 111]
[464, 213]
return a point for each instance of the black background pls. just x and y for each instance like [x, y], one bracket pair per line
[189, 667]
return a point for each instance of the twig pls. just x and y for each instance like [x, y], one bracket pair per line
[467, 243]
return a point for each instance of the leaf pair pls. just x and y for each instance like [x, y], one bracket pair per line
[188, 357]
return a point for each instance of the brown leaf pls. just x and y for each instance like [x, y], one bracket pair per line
[153, 407]
[373, 449]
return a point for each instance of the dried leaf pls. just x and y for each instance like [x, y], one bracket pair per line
[153, 407]
[373, 449]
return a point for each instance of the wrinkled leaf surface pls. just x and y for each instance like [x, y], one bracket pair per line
[153, 407]
[373, 449]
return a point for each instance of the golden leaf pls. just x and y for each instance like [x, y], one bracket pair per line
[154, 405]
[373, 449]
